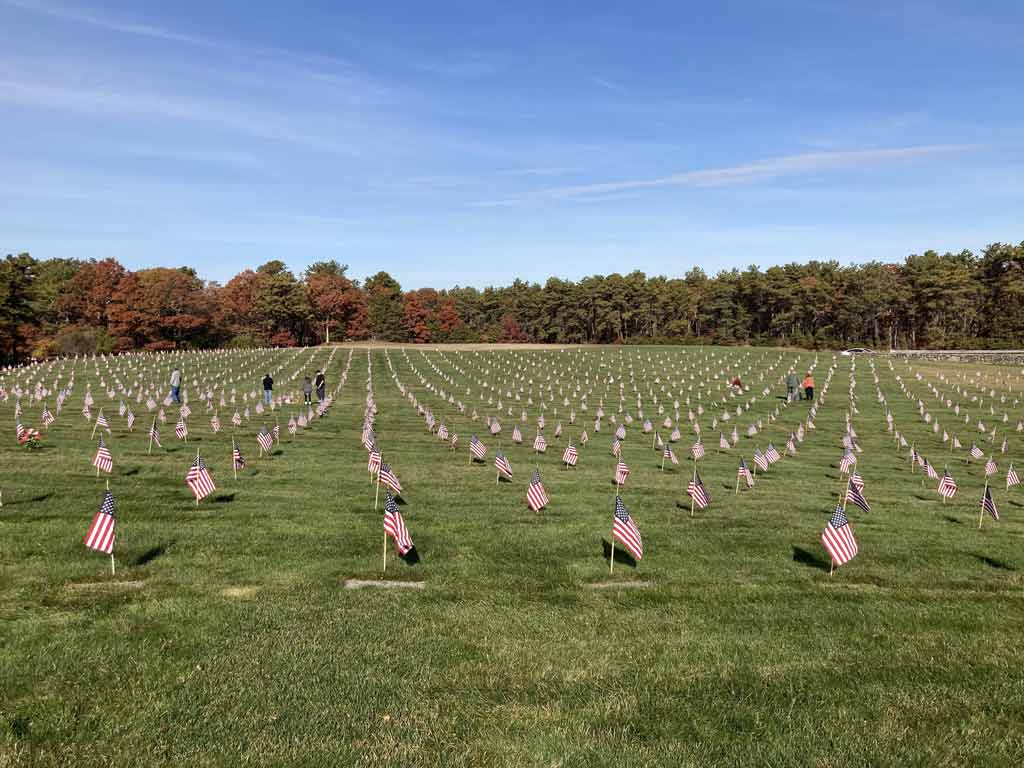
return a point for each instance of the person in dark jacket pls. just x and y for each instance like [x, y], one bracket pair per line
[320, 382]
[268, 390]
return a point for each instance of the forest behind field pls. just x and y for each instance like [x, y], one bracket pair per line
[950, 300]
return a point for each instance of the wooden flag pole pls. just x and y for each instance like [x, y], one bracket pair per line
[694, 480]
[197, 498]
[913, 454]
[662, 461]
[376, 492]
[94, 425]
[737, 483]
[611, 557]
[981, 517]
[150, 451]
[234, 464]
[384, 552]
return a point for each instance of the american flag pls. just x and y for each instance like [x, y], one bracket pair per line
[373, 462]
[20, 431]
[442, 432]
[199, 480]
[670, 455]
[735, 437]
[571, 456]
[185, 411]
[154, 434]
[394, 525]
[675, 436]
[988, 504]
[215, 423]
[100, 536]
[454, 441]
[847, 462]
[838, 539]
[930, 470]
[540, 444]
[857, 481]
[990, 467]
[624, 530]
[620, 433]
[744, 473]
[390, 479]
[696, 490]
[956, 442]
[101, 421]
[293, 427]
[760, 460]
[495, 427]
[791, 445]
[131, 419]
[947, 486]
[723, 444]
[558, 430]
[477, 448]
[47, 416]
[236, 419]
[103, 460]
[265, 439]
[536, 496]
[616, 447]
[583, 438]
[855, 495]
[276, 432]
[236, 455]
[621, 472]
[501, 463]
[976, 452]
[181, 429]
[1012, 478]
[517, 436]
[697, 450]
[772, 454]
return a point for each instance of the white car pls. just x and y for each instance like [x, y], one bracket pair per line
[856, 351]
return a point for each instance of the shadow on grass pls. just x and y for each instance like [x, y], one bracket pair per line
[809, 559]
[131, 471]
[153, 553]
[31, 499]
[412, 557]
[991, 562]
[620, 556]
[953, 520]
[223, 498]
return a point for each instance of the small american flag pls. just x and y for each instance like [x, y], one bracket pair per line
[1012, 478]
[101, 421]
[103, 460]
[696, 490]
[976, 452]
[744, 473]
[990, 467]
[181, 429]
[390, 479]
[495, 427]
[855, 495]
[930, 470]
[442, 432]
[536, 496]
[670, 455]
[394, 525]
[723, 444]
[697, 450]
[265, 439]
[846, 463]
[517, 436]
[100, 536]
[791, 445]
[838, 539]
[454, 441]
[477, 448]
[501, 463]
[988, 504]
[947, 486]
[215, 424]
[621, 472]
[772, 454]
[760, 460]
[131, 419]
[373, 462]
[616, 447]
[620, 433]
[154, 434]
[624, 530]
[571, 456]
[47, 416]
[236, 455]
[540, 445]
[199, 480]
[584, 439]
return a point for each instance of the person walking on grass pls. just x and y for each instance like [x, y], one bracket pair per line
[809, 386]
[176, 385]
[268, 390]
[307, 390]
[320, 382]
[791, 383]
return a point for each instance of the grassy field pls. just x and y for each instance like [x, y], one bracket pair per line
[228, 637]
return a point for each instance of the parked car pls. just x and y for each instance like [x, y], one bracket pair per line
[856, 351]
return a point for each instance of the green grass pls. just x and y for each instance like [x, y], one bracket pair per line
[243, 647]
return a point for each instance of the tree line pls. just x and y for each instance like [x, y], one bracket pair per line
[950, 300]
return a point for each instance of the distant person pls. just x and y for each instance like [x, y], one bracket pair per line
[176, 385]
[791, 384]
[320, 382]
[268, 390]
[809, 386]
[307, 390]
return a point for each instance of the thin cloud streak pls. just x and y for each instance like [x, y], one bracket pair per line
[765, 169]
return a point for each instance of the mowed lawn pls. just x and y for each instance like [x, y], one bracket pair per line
[227, 636]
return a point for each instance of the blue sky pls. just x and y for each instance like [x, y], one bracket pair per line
[475, 142]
